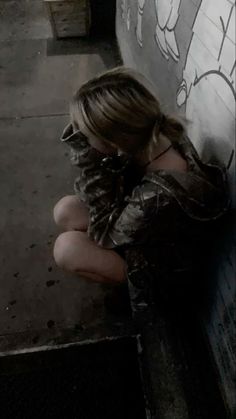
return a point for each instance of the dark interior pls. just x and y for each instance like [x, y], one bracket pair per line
[81, 382]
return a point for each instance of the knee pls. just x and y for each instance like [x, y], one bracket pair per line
[65, 250]
[59, 250]
[62, 210]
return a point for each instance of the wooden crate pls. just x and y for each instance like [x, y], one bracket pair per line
[69, 18]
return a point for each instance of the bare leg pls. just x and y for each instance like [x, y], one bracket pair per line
[71, 214]
[75, 252]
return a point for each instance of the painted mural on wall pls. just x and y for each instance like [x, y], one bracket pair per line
[206, 91]
[167, 13]
[208, 85]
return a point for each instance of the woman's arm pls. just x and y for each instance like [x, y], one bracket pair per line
[114, 220]
[99, 183]
[124, 223]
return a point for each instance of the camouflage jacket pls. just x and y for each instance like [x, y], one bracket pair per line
[158, 220]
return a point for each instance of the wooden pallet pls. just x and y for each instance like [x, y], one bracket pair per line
[69, 18]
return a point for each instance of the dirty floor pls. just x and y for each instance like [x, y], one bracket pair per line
[38, 302]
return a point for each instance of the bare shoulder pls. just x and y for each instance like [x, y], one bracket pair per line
[172, 160]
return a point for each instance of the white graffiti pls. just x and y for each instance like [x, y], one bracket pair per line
[128, 19]
[125, 12]
[167, 12]
[208, 85]
[123, 8]
[141, 4]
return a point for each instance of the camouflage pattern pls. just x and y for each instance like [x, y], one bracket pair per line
[157, 220]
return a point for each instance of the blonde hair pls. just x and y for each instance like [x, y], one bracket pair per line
[118, 108]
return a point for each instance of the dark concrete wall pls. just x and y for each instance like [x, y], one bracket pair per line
[103, 13]
[186, 48]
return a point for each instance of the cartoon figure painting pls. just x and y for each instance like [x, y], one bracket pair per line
[167, 12]
[208, 85]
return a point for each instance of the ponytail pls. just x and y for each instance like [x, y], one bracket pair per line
[168, 126]
[171, 128]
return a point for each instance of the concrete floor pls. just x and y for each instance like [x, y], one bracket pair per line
[38, 302]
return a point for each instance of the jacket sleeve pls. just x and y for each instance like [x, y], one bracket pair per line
[129, 223]
[114, 219]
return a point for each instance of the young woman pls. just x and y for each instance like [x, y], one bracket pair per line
[144, 203]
